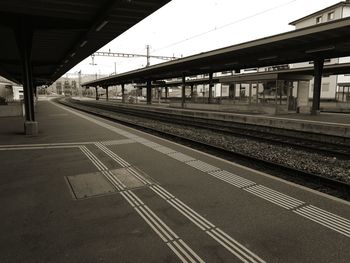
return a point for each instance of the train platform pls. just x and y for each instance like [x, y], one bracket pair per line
[90, 190]
[333, 124]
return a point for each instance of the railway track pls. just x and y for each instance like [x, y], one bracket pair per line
[321, 183]
[254, 132]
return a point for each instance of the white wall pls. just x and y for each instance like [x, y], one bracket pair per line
[17, 92]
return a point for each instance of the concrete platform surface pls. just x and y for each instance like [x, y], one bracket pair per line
[90, 190]
[334, 124]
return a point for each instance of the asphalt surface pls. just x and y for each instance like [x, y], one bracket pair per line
[89, 190]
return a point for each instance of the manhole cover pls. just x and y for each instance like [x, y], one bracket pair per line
[89, 185]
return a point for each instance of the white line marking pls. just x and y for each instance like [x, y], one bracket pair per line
[161, 222]
[191, 211]
[232, 178]
[165, 192]
[111, 154]
[176, 252]
[317, 220]
[192, 252]
[275, 194]
[127, 193]
[112, 128]
[169, 238]
[128, 200]
[238, 244]
[227, 247]
[118, 142]
[238, 248]
[270, 198]
[91, 159]
[39, 148]
[135, 173]
[336, 218]
[116, 179]
[187, 215]
[137, 138]
[164, 232]
[185, 210]
[151, 225]
[112, 181]
[181, 157]
[202, 166]
[184, 252]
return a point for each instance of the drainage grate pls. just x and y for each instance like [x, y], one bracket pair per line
[181, 157]
[164, 150]
[202, 166]
[118, 142]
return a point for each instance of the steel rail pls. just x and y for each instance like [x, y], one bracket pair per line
[246, 131]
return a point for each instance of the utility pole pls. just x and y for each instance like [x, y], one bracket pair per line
[148, 56]
[129, 55]
[79, 83]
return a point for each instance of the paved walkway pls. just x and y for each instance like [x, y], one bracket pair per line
[89, 190]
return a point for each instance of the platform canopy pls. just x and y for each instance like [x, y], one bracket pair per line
[327, 40]
[63, 32]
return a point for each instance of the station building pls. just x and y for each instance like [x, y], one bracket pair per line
[334, 87]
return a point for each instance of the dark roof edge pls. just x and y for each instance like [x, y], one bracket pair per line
[343, 3]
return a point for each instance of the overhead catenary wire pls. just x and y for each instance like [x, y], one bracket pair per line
[216, 28]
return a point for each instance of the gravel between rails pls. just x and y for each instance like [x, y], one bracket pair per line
[316, 163]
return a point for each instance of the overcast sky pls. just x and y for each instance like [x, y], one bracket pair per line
[186, 27]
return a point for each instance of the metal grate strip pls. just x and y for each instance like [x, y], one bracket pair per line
[181, 157]
[202, 166]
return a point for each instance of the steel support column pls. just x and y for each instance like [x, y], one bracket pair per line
[107, 93]
[211, 85]
[183, 91]
[123, 93]
[96, 94]
[24, 36]
[318, 69]
[149, 92]
[192, 91]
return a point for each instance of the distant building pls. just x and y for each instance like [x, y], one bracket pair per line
[332, 86]
[10, 90]
[69, 84]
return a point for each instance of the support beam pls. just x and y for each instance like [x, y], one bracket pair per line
[318, 69]
[96, 94]
[106, 93]
[211, 85]
[166, 92]
[192, 92]
[123, 93]
[149, 92]
[24, 36]
[250, 93]
[183, 91]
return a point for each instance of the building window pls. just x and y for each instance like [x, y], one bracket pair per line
[330, 16]
[318, 19]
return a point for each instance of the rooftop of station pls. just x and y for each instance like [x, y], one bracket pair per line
[326, 40]
[303, 73]
[329, 8]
